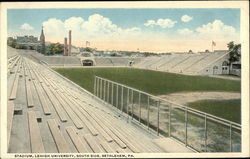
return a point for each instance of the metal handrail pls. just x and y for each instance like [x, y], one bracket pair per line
[170, 105]
[215, 118]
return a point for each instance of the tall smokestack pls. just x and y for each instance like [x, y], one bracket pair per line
[65, 47]
[69, 50]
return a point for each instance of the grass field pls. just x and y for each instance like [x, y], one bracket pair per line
[153, 82]
[228, 109]
[159, 83]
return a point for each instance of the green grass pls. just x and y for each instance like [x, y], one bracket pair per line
[153, 82]
[227, 109]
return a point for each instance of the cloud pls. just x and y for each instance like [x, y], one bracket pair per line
[95, 26]
[185, 31]
[26, 26]
[164, 23]
[216, 29]
[186, 18]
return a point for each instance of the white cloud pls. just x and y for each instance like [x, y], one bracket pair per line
[73, 23]
[216, 29]
[95, 26]
[164, 23]
[185, 31]
[186, 18]
[26, 26]
[150, 23]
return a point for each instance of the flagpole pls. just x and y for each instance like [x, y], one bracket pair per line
[212, 47]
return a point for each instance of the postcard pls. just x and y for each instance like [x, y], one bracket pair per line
[125, 79]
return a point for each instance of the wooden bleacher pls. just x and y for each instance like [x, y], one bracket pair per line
[69, 118]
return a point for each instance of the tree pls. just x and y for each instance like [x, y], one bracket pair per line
[88, 49]
[113, 54]
[11, 43]
[55, 48]
[234, 52]
[230, 45]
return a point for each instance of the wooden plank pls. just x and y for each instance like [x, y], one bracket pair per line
[74, 106]
[10, 113]
[42, 78]
[67, 108]
[61, 113]
[148, 145]
[35, 136]
[81, 146]
[42, 99]
[86, 122]
[91, 122]
[30, 102]
[14, 87]
[120, 134]
[60, 141]
[92, 143]
[14, 63]
[126, 150]
[107, 147]
[106, 130]
[171, 146]
[113, 135]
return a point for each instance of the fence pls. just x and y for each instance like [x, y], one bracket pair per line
[198, 130]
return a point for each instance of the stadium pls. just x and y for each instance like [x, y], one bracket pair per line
[81, 102]
[102, 109]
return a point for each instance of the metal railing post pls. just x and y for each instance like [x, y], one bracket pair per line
[205, 135]
[108, 93]
[139, 107]
[117, 96]
[169, 120]
[158, 117]
[148, 114]
[231, 147]
[101, 88]
[186, 126]
[98, 87]
[95, 86]
[128, 103]
[122, 100]
[104, 90]
[132, 93]
[112, 96]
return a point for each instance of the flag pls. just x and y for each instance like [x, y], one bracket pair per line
[213, 43]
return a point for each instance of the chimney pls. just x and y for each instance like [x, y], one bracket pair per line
[65, 47]
[69, 49]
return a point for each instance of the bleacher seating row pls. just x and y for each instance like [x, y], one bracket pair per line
[60, 118]
[180, 63]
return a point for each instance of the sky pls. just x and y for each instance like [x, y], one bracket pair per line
[153, 30]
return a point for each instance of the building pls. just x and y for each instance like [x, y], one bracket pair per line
[26, 39]
[42, 42]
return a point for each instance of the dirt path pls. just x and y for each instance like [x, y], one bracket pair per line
[187, 97]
